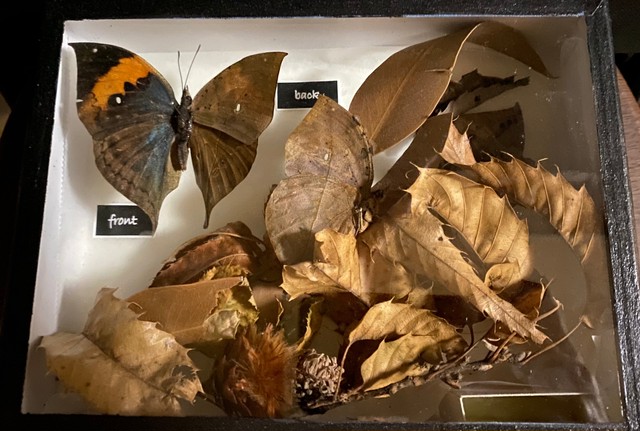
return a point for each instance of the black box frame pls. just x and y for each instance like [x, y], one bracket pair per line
[34, 132]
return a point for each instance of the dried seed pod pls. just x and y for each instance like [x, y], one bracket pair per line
[317, 378]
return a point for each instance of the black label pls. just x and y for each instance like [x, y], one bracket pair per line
[122, 220]
[293, 95]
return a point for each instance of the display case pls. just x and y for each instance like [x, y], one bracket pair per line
[415, 216]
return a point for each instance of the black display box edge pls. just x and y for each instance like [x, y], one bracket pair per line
[32, 127]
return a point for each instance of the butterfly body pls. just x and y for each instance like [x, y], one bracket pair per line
[142, 136]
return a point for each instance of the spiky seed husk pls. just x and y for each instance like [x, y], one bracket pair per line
[255, 377]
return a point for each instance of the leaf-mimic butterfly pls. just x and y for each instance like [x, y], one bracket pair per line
[142, 136]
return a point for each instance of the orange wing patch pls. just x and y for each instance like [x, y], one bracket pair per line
[128, 70]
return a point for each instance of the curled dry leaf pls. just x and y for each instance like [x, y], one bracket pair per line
[474, 89]
[123, 365]
[394, 100]
[328, 171]
[486, 220]
[233, 245]
[572, 212]
[418, 242]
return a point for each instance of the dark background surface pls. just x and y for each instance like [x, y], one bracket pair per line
[22, 47]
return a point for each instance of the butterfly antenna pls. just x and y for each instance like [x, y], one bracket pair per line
[190, 66]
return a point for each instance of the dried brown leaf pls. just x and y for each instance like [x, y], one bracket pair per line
[122, 365]
[401, 93]
[419, 333]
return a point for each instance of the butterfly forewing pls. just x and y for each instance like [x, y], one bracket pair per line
[127, 107]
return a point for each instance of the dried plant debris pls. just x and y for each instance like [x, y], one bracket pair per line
[357, 290]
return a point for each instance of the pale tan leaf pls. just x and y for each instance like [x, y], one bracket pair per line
[395, 360]
[123, 365]
[401, 93]
[486, 220]
[419, 244]
[394, 319]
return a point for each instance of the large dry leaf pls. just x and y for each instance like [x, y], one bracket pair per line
[231, 112]
[182, 310]
[329, 171]
[123, 365]
[486, 220]
[401, 93]
[233, 245]
[342, 263]
[572, 212]
[420, 244]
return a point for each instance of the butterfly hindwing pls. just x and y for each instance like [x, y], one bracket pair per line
[127, 107]
[229, 114]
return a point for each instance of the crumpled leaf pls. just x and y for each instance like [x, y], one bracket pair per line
[182, 310]
[401, 93]
[418, 243]
[329, 171]
[487, 221]
[572, 212]
[122, 365]
[422, 334]
[233, 246]
[230, 113]
[342, 263]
